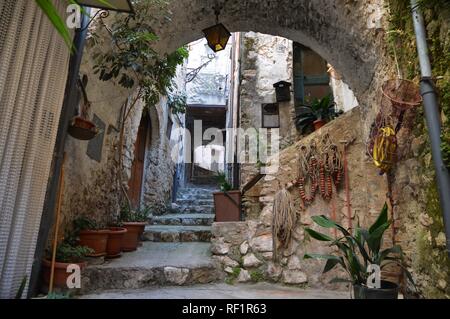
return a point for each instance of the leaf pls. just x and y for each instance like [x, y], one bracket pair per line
[52, 13]
[317, 235]
[325, 222]
[382, 219]
[331, 263]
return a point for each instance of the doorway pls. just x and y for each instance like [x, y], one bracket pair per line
[137, 168]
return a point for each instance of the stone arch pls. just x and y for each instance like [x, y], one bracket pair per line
[336, 29]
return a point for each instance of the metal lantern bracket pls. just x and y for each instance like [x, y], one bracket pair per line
[102, 14]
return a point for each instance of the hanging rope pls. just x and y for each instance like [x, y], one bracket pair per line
[284, 220]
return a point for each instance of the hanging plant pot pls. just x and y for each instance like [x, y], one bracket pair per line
[82, 129]
[318, 124]
[403, 94]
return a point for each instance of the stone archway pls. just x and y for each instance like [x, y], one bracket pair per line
[338, 30]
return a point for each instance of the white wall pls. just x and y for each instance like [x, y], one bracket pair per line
[211, 85]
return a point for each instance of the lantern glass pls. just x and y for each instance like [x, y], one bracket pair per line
[217, 37]
[115, 5]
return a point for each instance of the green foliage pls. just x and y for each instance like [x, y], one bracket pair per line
[357, 251]
[55, 295]
[19, 293]
[134, 215]
[133, 61]
[52, 14]
[68, 253]
[319, 109]
[257, 275]
[224, 185]
[233, 276]
[177, 103]
[85, 223]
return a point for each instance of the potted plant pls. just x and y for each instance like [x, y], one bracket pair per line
[66, 254]
[356, 252]
[134, 221]
[227, 202]
[92, 235]
[317, 114]
[115, 241]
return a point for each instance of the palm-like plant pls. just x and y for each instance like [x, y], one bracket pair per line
[319, 109]
[358, 251]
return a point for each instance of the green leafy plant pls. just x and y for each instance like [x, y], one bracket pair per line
[177, 103]
[66, 252]
[85, 223]
[133, 61]
[319, 109]
[356, 252]
[134, 215]
[224, 185]
[55, 295]
[22, 286]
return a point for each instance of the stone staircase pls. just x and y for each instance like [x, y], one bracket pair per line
[176, 250]
[190, 220]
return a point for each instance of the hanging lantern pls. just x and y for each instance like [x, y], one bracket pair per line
[217, 35]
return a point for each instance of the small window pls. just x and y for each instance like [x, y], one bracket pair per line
[270, 115]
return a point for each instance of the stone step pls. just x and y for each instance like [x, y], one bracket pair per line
[194, 202]
[154, 264]
[183, 219]
[193, 209]
[163, 233]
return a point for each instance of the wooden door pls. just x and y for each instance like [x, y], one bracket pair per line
[137, 169]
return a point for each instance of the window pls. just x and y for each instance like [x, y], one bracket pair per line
[311, 78]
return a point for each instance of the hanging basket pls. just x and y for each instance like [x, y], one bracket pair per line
[402, 94]
[82, 129]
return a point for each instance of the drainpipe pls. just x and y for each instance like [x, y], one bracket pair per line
[67, 112]
[432, 115]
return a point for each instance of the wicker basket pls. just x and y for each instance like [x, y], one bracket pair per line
[402, 94]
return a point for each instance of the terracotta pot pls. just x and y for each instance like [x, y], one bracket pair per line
[318, 124]
[131, 237]
[114, 245]
[82, 129]
[225, 208]
[60, 274]
[96, 240]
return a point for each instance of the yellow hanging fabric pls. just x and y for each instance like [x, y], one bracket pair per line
[385, 148]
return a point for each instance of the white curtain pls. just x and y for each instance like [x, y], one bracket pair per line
[33, 71]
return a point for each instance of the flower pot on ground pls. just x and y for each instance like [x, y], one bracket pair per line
[66, 255]
[359, 254]
[115, 240]
[91, 235]
[387, 290]
[227, 202]
[134, 221]
[318, 124]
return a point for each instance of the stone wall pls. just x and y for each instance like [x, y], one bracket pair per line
[93, 187]
[245, 249]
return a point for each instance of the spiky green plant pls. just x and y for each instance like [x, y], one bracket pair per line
[356, 252]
